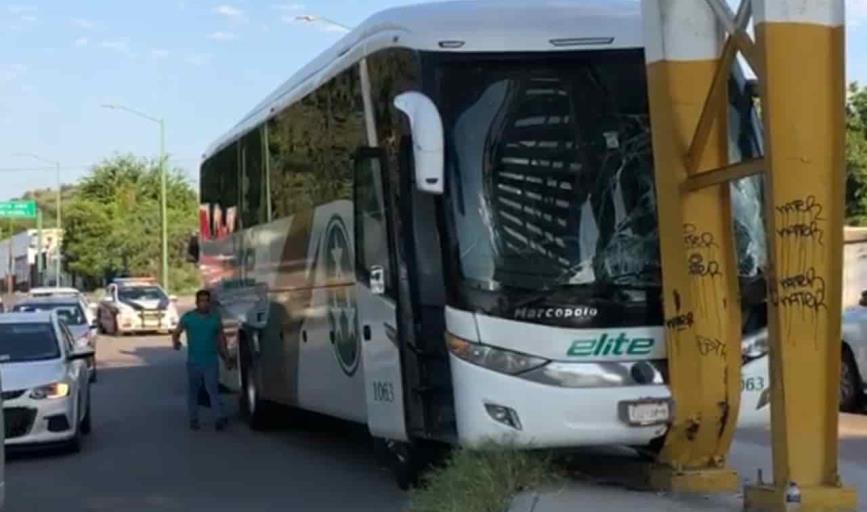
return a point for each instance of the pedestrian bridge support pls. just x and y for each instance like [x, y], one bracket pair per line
[797, 57]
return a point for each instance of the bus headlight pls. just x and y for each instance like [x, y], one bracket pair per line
[496, 359]
[754, 347]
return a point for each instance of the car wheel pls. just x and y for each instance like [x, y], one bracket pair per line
[253, 408]
[850, 383]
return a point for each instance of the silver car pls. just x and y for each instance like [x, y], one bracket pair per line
[46, 389]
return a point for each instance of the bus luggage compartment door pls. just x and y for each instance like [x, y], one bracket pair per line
[381, 362]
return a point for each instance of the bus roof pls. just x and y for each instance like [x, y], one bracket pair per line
[480, 25]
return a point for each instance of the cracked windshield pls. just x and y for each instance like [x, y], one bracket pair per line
[439, 255]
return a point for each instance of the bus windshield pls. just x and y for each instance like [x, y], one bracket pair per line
[550, 187]
[550, 170]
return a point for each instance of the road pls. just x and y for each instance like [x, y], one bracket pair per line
[141, 455]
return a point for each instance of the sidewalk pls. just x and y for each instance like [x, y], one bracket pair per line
[746, 457]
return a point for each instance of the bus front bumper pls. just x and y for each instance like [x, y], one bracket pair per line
[546, 416]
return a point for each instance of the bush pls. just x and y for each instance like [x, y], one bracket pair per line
[184, 279]
[484, 480]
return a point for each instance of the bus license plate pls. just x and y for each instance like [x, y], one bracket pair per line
[646, 412]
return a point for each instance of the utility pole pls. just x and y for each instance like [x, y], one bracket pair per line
[10, 279]
[40, 268]
[163, 201]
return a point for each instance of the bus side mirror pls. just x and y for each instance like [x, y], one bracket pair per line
[428, 144]
[193, 249]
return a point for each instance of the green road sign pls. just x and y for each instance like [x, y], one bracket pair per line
[18, 209]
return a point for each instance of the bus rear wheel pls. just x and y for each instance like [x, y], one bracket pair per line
[254, 409]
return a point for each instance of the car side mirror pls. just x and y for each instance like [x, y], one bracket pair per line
[85, 353]
[428, 142]
[863, 301]
[377, 280]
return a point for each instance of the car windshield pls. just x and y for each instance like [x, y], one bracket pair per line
[22, 342]
[72, 314]
[149, 293]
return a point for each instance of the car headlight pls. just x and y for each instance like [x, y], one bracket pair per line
[55, 390]
[754, 347]
[496, 359]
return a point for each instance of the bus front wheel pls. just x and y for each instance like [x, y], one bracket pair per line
[406, 460]
[253, 407]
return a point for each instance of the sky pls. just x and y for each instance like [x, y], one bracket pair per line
[199, 64]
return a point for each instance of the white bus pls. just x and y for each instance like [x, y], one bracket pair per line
[445, 228]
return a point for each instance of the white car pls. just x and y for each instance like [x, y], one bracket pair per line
[46, 389]
[136, 305]
[74, 316]
[853, 369]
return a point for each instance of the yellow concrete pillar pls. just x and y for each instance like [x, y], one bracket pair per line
[683, 44]
[800, 46]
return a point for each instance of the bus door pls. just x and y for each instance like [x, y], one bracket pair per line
[376, 292]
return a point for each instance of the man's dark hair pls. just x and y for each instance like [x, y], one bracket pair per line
[203, 294]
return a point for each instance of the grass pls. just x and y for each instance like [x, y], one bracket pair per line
[484, 480]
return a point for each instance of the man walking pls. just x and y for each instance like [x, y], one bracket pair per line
[205, 341]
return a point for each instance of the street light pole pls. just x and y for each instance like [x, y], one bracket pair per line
[163, 207]
[162, 169]
[58, 264]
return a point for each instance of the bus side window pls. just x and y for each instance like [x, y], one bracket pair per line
[371, 221]
[254, 203]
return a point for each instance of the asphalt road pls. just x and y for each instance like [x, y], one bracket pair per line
[142, 457]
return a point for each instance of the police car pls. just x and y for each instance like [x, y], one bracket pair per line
[136, 305]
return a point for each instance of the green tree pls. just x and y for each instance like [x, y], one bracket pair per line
[856, 156]
[113, 222]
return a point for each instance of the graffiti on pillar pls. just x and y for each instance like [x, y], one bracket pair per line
[805, 291]
[700, 267]
[799, 289]
[704, 269]
[680, 322]
[694, 239]
[710, 346]
[799, 220]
